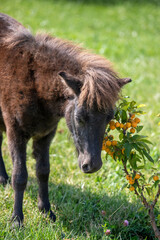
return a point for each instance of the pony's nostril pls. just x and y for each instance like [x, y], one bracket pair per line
[86, 167]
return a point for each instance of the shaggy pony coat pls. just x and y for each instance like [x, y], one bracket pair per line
[42, 79]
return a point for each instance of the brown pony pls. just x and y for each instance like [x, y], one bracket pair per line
[43, 79]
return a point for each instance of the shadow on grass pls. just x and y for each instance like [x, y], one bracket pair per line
[112, 2]
[79, 211]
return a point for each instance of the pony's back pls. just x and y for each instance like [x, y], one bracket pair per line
[8, 24]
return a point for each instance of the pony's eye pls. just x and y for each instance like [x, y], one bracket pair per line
[80, 120]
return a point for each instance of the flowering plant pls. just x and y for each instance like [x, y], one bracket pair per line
[127, 145]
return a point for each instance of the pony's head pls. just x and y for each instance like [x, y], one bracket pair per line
[88, 113]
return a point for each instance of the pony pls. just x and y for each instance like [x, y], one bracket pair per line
[42, 79]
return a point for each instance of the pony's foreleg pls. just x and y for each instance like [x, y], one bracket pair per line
[41, 154]
[17, 145]
[3, 173]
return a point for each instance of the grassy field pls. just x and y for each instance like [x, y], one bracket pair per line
[128, 34]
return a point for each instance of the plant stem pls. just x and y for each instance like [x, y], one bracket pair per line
[153, 222]
[149, 207]
[156, 197]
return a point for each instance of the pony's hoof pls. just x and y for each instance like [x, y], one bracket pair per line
[52, 216]
[16, 225]
[17, 222]
[3, 180]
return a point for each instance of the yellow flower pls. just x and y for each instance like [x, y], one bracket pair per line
[132, 116]
[112, 127]
[117, 124]
[128, 124]
[111, 153]
[141, 105]
[132, 130]
[107, 150]
[131, 181]
[127, 177]
[103, 147]
[125, 126]
[123, 149]
[121, 125]
[108, 143]
[155, 178]
[137, 120]
[111, 123]
[134, 124]
[131, 188]
[137, 176]
[114, 143]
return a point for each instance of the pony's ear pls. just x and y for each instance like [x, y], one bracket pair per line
[124, 81]
[72, 82]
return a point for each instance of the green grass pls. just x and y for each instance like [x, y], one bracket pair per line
[127, 33]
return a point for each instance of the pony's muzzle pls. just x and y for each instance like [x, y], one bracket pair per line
[91, 165]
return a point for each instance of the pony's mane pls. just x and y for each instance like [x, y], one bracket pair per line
[100, 82]
[101, 85]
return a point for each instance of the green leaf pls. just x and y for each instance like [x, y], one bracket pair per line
[128, 147]
[132, 104]
[140, 112]
[138, 137]
[139, 149]
[117, 117]
[124, 186]
[140, 167]
[156, 183]
[125, 106]
[147, 141]
[120, 136]
[151, 178]
[133, 162]
[148, 156]
[148, 191]
[139, 128]
[124, 116]
[154, 168]
[144, 145]
[106, 156]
